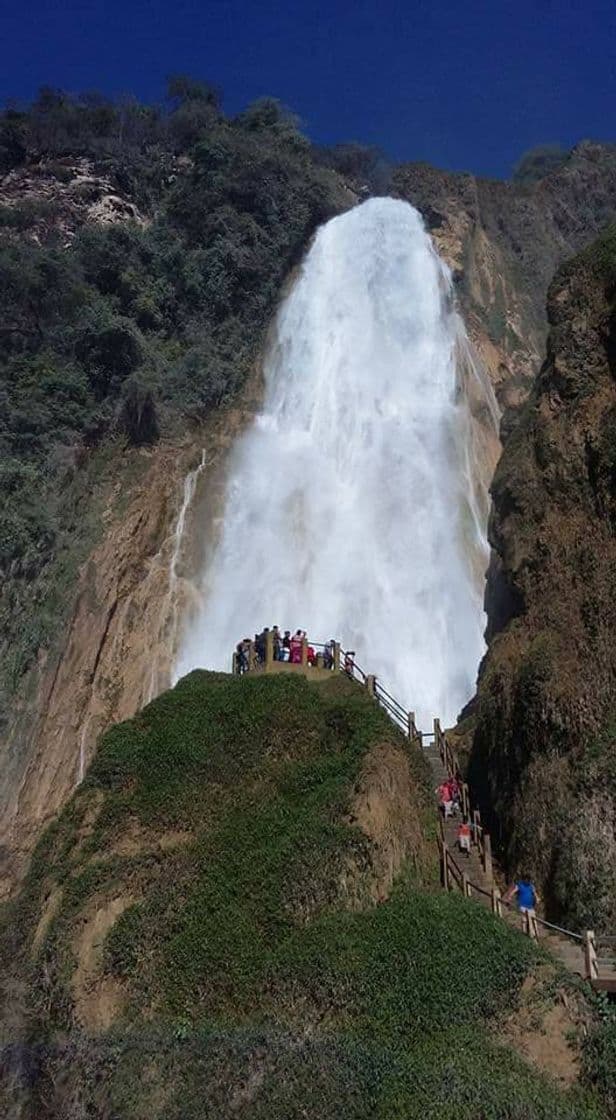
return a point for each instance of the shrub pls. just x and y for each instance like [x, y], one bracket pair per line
[538, 162]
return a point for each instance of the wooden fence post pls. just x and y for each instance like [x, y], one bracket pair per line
[465, 802]
[497, 907]
[438, 740]
[411, 726]
[487, 857]
[337, 656]
[530, 926]
[466, 885]
[252, 656]
[476, 828]
[304, 652]
[269, 651]
[590, 955]
[370, 682]
[444, 865]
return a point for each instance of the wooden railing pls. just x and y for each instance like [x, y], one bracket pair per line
[480, 838]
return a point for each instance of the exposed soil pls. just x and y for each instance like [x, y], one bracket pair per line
[51, 906]
[546, 1033]
[136, 841]
[98, 998]
[385, 808]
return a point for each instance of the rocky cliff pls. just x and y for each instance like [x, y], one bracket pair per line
[544, 752]
[504, 241]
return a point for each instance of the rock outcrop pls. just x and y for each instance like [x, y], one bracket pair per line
[544, 752]
[504, 242]
[53, 198]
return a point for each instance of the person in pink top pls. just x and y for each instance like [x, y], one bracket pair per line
[296, 648]
[444, 796]
[454, 793]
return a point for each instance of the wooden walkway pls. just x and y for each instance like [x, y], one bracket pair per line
[586, 954]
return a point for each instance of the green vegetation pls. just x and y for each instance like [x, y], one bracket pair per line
[599, 1056]
[254, 965]
[538, 162]
[600, 257]
[131, 332]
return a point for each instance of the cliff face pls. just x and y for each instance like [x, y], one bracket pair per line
[504, 242]
[544, 752]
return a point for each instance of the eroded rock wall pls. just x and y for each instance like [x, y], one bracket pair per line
[544, 751]
[117, 650]
[504, 242]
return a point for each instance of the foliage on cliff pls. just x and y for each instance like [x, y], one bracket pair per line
[199, 933]
[544, 754]
[127, 331]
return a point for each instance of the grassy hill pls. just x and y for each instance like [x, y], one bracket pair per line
[238, 914]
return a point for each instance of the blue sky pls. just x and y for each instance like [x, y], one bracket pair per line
[467, 86]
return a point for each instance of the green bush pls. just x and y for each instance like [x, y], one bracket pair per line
[599, 1061]
[538, 162]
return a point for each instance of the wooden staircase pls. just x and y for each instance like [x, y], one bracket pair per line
[576, 952]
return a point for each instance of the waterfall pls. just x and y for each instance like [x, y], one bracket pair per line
[170, 612]
[351, 508]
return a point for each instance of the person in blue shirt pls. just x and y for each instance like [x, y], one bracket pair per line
[527, 899]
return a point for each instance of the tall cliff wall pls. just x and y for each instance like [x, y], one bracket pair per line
[544, 752]
[504, 242]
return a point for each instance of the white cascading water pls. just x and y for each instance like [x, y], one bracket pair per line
[351, 510]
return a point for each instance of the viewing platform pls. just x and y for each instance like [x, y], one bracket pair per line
[316, 665]
[320, 661]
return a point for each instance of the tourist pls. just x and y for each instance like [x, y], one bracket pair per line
[464, 838]
[454, 794]
[240, 659]
[527, 899]
[277, 642]
[295, 648]
[444, 797]
[328, 655]
[260, 641]
[349, 662]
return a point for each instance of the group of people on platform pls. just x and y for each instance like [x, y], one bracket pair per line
[285, 647]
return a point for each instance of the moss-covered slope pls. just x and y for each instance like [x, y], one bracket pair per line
[237, 914]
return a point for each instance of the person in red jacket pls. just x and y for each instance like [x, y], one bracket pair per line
[296, 648]
[464, 838]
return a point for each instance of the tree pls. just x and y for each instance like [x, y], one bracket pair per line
[182, 89]
[538, 162]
